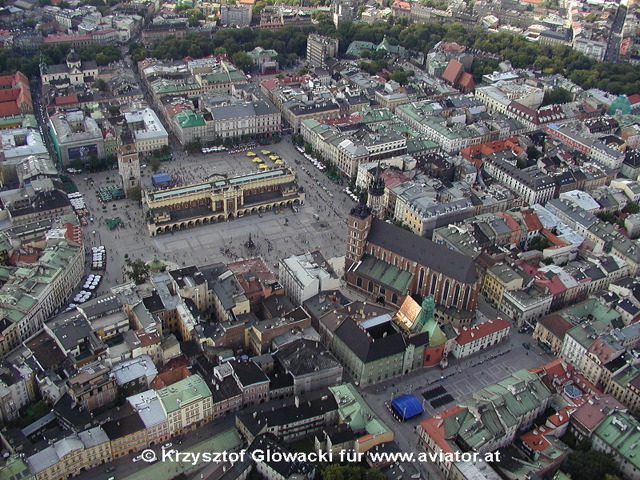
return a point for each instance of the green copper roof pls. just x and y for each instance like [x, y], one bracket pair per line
[182, 392]
[189, 118]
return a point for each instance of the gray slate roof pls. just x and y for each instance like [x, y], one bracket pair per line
[423, 251]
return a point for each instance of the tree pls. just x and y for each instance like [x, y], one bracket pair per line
[243, 61]
[135, 195]
[336, 471]
[539, 243]
[137, 270]
[194, 146]
[154, 164]
[193, 21]
[101, 85]
[632, 207]
[111, 160]
[94, 162]
[557, 95]
[590, 465]
[76, 163]
[533, 153]
[400, 76]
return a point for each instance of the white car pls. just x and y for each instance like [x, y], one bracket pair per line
[167, 445]
[137, 459]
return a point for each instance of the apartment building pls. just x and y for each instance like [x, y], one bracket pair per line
[93, 386]
[304, 276]
[531, 184]
[350, 147]
[148, 132]
[71, 454]
[187, 404]
[320, 49]
[76, 137]
[35, 291]
[128, 434]
[150, 410]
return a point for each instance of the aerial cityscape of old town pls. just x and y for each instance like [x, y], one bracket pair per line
[320, 239]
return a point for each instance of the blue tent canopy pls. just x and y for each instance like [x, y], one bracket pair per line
[160, 178]
[407, 406]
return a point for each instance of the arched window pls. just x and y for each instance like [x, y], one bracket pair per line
[370, 286]
[359, 282]
[467, 292]
[382, 291]
[445, 292]
[456, 295]
[434, 284]
[420, 280]
[394, 298]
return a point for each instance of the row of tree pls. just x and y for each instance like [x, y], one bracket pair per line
[419, 37]
[290, 44]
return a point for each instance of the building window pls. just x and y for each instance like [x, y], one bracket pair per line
[370, 286]
[394, 298]
[456, 295]
[445, 292]
[467, 292]
[359, 282]
[434, 283]
[420, 280]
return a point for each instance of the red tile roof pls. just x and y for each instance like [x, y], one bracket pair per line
[61, 38]
[453, 71]
[486, 149]
[535, 439]
[452, 47]
[270, 84]
[170, 377]
[561, 417]
[402, 4]
[66, 99]
[73, 233]
[555, 241]
[7, 109]
[531, 220]
[468, 335]
[393, 178]
[466, 81]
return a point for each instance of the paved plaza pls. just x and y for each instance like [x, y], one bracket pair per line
[320, 222]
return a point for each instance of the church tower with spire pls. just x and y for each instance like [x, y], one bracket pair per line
[375, 199]
[128, 161]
